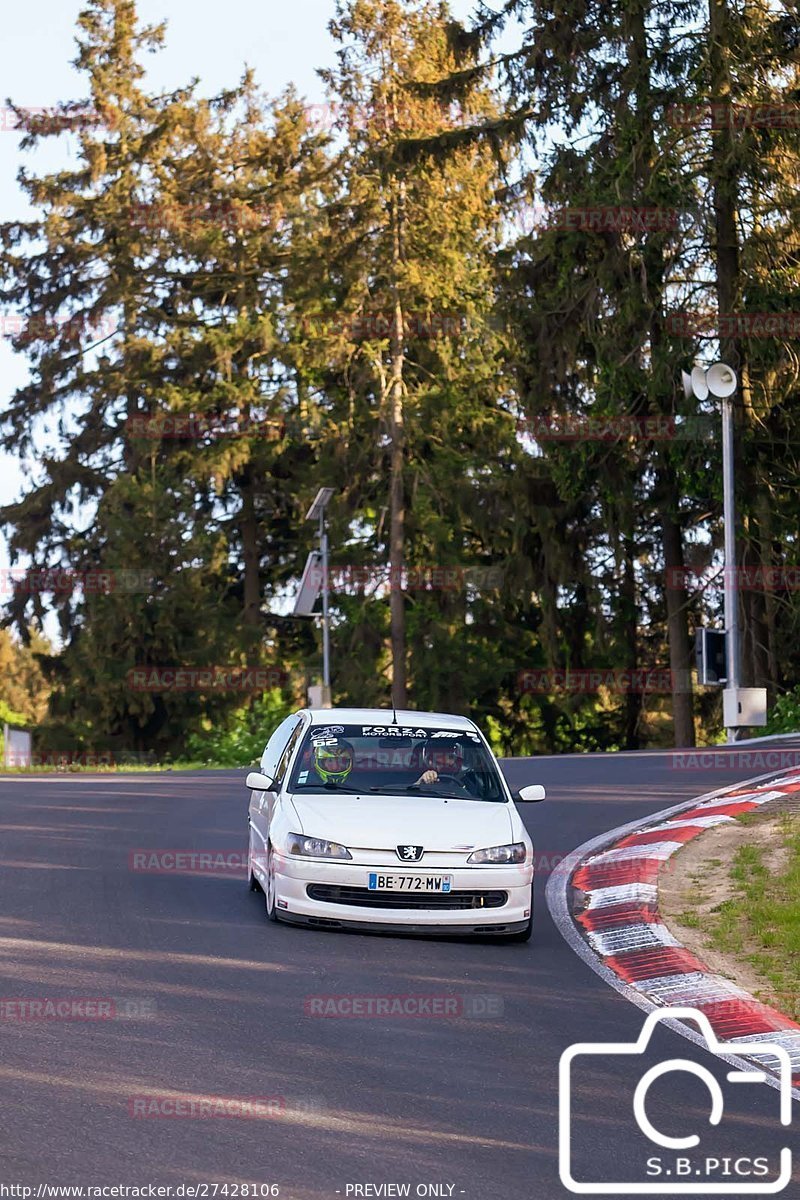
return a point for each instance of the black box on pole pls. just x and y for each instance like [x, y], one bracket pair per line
[710, 650]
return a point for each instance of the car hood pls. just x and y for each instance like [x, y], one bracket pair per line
[385, 822]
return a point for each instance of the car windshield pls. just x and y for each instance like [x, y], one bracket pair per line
[396, 760]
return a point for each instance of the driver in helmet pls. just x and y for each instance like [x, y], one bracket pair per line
[334, 762]
[439, 760]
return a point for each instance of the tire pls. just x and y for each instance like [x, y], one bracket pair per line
[524, 935]
[269, 890]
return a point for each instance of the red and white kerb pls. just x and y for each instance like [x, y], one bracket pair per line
[621, 922]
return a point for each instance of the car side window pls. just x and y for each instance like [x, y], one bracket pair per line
[286, 757]
[277, 744]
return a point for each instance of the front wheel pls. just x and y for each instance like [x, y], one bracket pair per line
[270, 888]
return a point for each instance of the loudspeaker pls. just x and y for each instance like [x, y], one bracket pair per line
[721, 380]
[695, 385]
[686, 380]
[700, 385]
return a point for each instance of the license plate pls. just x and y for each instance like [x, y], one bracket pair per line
[409, 883]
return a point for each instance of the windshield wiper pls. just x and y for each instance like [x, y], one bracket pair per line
[330, 787]
[416, 788]
[392, 787]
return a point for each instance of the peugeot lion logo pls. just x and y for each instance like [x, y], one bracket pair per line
[410, 853]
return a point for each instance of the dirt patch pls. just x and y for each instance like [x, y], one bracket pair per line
[697, 879]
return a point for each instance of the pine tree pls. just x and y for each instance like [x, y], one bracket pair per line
[94, 277]
[23, 687]
[745, 141]
[234, 201]
[409, 257]
[596, 295]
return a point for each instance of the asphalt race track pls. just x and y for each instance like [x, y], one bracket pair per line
[219, 999]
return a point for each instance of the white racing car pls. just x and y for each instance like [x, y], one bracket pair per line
[372, 820]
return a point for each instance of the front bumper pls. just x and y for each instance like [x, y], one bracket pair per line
[406, 927]
[294, 876]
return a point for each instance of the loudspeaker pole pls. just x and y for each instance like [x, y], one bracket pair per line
[720, 381]
[317, 512]
[729, 521]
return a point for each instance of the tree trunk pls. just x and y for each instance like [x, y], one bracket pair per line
[633, 699]
[397, 497]
[680, 647]
[755, 595]
[248, 529]
[397, 515]
[766, 541]
[666, 492]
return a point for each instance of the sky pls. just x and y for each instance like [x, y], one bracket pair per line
[282, 41]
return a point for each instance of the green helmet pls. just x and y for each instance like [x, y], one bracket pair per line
[333, 763]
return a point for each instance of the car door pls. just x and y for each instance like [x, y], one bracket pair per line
[272, 798]
[262, 804]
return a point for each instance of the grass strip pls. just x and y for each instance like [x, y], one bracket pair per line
[760, 923]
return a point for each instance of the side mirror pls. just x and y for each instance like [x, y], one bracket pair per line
[530, 794]
[258, 782]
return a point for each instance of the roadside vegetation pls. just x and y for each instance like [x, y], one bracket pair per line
[239, 742]
[758, 922]
[459, 292]
[761, 921]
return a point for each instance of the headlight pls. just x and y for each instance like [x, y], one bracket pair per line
[315, 847]
[515, 853]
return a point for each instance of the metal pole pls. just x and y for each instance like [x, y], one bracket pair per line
[729, 517]
[326, 649]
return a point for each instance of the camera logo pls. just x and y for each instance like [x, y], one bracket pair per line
[700, 1174]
